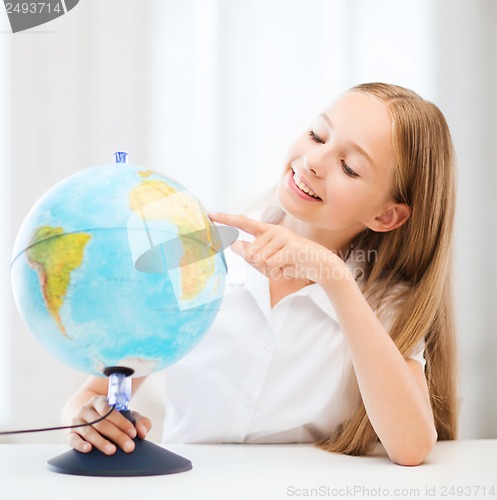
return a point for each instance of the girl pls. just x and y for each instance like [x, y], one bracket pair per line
[341, 331]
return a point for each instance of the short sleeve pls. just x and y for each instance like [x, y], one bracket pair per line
[418, 353]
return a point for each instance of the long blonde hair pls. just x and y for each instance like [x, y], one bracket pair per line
[417, 253]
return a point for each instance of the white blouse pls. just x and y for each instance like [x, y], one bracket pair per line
[262, 374]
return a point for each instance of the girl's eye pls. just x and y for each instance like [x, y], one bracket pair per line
[347, 170]
[315, 137]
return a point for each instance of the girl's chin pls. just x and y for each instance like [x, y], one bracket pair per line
[284, 201]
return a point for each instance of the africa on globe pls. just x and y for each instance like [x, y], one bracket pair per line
[118, 265]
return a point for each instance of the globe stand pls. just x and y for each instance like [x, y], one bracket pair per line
[147, 459]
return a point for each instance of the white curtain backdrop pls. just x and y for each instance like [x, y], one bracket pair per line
[212, 92]
[5, 224]
[466, 82]
[235, 81]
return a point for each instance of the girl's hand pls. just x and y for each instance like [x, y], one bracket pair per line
[114, 430]
[279, 253]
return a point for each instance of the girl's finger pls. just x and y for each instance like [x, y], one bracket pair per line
[242, 249]
[92, 436]
[142, 424]
[78, 443]
[102, 407]
[242, 222]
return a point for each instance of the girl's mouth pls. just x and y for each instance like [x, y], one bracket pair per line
[300, 188]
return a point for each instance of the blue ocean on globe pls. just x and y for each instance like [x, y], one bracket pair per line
[118, 265]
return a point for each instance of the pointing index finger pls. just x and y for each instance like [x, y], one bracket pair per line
[251, 226]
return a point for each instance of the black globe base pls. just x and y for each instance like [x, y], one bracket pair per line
[147, 459]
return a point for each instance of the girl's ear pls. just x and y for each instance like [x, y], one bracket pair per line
[392, 218]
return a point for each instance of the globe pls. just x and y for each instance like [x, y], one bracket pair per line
[118, 266]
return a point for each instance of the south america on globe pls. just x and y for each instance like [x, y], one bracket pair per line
[118, 265]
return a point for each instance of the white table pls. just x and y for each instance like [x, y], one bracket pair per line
[459, 469]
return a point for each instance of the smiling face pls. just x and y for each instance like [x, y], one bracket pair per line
[339, 175]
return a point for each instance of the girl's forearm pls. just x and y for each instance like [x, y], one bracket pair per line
[393, 390]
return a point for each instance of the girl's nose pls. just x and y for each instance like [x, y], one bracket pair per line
[313, 163]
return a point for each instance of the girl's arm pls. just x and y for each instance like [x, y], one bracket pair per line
[90, 403]
[393, 389]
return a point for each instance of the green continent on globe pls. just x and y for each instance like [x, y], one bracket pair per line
[54, 256]
[182, 210]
